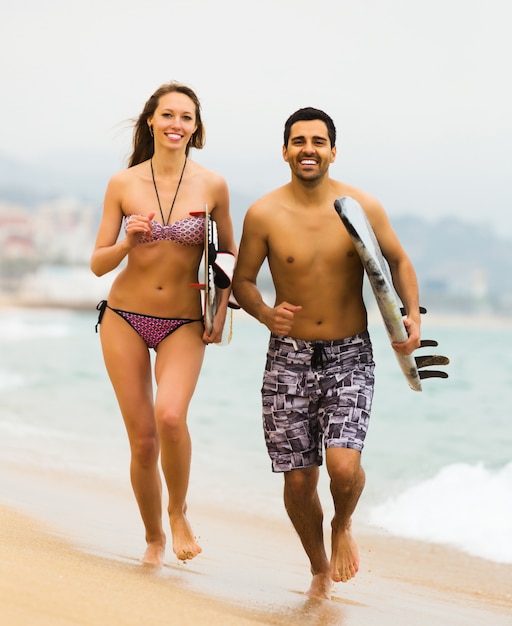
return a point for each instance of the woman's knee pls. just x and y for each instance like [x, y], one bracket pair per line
[171, 424]
[145, 450]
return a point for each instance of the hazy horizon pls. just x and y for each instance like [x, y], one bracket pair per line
[418, 93]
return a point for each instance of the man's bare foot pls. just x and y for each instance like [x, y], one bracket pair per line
[184, 544]
[154, 554]
[321, 586]
[344, 557]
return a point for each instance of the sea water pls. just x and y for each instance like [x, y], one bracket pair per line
[438, 463]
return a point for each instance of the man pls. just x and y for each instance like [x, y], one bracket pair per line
[318, 383]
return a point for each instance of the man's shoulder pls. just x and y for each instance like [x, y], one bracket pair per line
[365, 199]
[276, 194]
[269, 200]
[345, 189]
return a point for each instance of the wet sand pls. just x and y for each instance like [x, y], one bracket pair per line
[69, 552]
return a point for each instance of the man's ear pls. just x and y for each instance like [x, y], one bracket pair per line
[285, 154]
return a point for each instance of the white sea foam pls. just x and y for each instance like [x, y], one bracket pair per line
[463, 505]
[10, 381]
[39, 446]
[19, 326]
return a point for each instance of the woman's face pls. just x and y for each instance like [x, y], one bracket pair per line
[174, 120]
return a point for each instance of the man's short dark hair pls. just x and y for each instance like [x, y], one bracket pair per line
[305, 115]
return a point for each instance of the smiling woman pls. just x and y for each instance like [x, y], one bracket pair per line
[158, 201]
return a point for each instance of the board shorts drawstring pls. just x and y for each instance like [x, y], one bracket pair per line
[319, 356]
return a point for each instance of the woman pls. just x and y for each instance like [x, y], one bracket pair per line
[158, 200]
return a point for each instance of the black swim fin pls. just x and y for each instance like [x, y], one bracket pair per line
[431, 359]
[432, 374]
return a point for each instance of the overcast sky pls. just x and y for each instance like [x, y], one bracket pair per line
[420, 91]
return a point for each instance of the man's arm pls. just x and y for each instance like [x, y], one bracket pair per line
[402, 274]
[253, 250]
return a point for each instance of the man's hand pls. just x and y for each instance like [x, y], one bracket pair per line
[279, 320]
[413, 340]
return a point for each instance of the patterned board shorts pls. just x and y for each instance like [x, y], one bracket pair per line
[315, 393]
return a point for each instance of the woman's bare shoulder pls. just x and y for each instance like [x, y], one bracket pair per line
[127, 175]
[210, 176]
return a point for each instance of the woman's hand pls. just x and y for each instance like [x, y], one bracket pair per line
[215, 336]
[139, 225]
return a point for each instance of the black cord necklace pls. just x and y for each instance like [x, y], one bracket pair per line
[166, 221]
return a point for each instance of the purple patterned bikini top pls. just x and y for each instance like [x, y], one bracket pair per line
[187, 232]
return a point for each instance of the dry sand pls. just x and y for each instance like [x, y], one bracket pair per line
[69, 556]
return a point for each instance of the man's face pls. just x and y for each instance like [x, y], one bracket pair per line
[309, 151]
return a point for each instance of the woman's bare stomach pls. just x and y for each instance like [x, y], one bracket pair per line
[163, 298]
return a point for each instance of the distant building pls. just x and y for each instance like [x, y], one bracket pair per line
[16, 233]
[60, 231]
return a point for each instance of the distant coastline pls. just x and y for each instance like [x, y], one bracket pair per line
[446, 318]
[58, 286]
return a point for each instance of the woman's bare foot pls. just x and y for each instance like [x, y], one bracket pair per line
[155, 552]
[184, 544]
[344, 557]
[321, 586]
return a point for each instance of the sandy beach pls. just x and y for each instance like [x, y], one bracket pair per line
[69, 553]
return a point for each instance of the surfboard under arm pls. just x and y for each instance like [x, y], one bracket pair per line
[218, 272]
[358, 227]
[209, 255]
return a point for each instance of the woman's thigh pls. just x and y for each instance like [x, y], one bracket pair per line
[128, 365]
[177, 367]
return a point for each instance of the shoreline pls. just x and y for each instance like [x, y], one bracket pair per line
[70, 549]
[433, 319]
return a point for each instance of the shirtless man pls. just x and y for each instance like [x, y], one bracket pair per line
[318, 382]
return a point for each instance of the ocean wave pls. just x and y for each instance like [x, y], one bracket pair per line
[10, 381]
[41, 447]
[22, 326]
[466, 506]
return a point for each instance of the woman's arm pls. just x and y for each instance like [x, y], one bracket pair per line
[108, 251]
